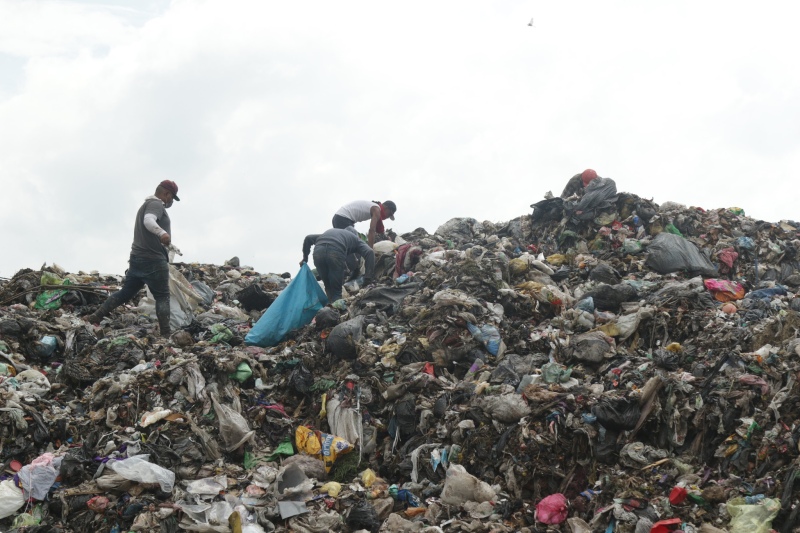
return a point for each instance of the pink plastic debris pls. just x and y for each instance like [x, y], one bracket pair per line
[552, 509]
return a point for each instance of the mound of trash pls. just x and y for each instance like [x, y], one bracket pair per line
[605, 365]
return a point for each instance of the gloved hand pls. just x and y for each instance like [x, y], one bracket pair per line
[304, 261]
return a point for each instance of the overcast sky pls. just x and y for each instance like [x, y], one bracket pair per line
[271, 115]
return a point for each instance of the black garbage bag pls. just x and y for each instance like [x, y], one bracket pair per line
[404, 420]
[505, 374]
[327, 317]
[386, 299]
[666, 359]
[618, 414]
[611, 297]
[600, 195]
[605, 273]
[548, 210]
[670, 253]
[301, 379]
[363, 516]
[72, 471]
[606, 450]
[253, 298]
[343, 338]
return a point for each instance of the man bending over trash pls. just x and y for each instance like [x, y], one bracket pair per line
[330, 252]
[361, 210]
[578, 183]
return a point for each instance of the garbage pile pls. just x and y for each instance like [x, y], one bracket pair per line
[622, 367]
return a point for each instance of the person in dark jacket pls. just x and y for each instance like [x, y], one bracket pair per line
[330, 252]
[149, 260]
[578, 183]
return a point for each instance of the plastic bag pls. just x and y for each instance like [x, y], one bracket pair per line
[11, 498]
[204, 291]
[37, 477]
[489, 335]
[32, 381]
[363, 516]
[592, 347]
[321, 445]
[183, 301]
[725, 290]
[617, 414]
[611, 297]
[51, 299]
[670, 253]
[600, 194]
[461, 487]
[138, 468]
[294, 308]
[752, 518]
[552, 509]
[508, 408]
[343, 338]
[233, 427]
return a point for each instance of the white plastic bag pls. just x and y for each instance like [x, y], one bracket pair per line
[37, 477]
[233, 427]
[461, 487]
[11, 498]
[139, 469]
[183, 301]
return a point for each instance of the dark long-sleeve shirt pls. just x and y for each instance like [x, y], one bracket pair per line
[346, 242]
[574, 186]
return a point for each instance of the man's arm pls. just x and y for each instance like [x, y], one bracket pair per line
[375, 218]
[307, 243]
[369, 261]
[151, 224]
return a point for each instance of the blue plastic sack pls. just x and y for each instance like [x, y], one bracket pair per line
[488, 335]
[294, 308]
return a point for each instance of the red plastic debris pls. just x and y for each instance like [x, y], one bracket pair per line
[678, 495]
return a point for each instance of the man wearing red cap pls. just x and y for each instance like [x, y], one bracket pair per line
[578, 183]
[149, 261]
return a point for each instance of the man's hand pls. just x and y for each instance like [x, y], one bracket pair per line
[165, 239]
[304, 261]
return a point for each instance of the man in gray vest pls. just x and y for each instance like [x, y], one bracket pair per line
[330, 251]
[149, 261]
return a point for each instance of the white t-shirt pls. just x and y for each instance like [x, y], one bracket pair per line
[357, 211]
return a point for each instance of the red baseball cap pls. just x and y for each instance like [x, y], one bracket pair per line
[172, 187]
[587, 176]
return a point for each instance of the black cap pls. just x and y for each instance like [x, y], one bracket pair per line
[390, 205]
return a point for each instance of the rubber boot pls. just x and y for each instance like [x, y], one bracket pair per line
[162, 313]
[101, 312]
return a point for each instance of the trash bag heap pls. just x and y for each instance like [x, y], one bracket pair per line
[624, 367]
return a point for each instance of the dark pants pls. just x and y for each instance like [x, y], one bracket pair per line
[340, 222]
[154, 274]
[330, 264]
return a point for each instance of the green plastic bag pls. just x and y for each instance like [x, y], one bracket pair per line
[243, 372]
[752, 518]
[672, 229]
[221, 333]
[51, 299]
[284, 448]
